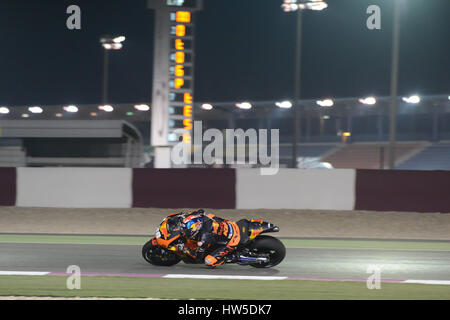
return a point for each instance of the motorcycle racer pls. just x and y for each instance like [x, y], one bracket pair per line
[189, 237]
[207, 230]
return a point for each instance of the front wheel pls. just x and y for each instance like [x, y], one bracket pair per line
[159, 256]
[270, 247]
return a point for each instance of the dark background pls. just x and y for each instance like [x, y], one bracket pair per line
[245, 50]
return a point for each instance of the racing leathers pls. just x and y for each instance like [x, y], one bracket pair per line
[212, 231]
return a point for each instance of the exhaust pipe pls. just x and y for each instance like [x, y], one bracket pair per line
[252, 260]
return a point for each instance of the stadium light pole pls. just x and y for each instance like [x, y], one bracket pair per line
[299, 6]
[297, 84]
[108, 43]
[105, 76]
[394, 84]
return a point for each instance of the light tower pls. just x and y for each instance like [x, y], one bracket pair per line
[109, 43]
[299, 6]
[173, 75]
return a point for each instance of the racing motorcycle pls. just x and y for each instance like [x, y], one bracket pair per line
[254, 249]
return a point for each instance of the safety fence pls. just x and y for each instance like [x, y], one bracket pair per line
[339, 189]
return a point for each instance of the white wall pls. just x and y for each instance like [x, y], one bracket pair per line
[296, 189]
[74, 187]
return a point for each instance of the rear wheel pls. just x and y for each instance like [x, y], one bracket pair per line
[270, 247]
[159, 256]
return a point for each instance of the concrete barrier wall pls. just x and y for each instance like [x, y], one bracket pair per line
[296, 189]
[340, 189]
[403, 190]
[74, 187]
[7, 186]
[184, 188]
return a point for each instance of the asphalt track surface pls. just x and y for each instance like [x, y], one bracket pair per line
[299, 262]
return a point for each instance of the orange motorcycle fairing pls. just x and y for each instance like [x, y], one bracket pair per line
[255, 232]
[256, 227]
[166, 243]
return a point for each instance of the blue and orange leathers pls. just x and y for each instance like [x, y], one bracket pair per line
[213, 230]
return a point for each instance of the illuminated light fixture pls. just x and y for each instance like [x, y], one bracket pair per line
[316, 6]
[180, 57]
[129, 113]
[179, 71]
[142, 107]
[4, 110]
[325, 103]
[119, 39]
[106, 108]
[183, 16]
[187, 98]
[187, 123]
[187, 111]
[179, 44]
[326, 117]
[207, 106]
[35, 109]
[284, 104]
[110, 43]
[448, 97]
[413, 99]
[347, 134]
[71, 109]
[244, 105]
[180, 30]
[294, 5]
[93, 114]
[59, 115]
[368, 100]
[112, 46]
[178, 83]
[288, 7]
[25, 115]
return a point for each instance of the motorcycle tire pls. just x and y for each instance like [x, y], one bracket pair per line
[158, 256]
[268, 245]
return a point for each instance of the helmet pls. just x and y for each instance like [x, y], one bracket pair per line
[193, 225]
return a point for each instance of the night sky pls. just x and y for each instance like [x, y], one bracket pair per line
[245, 50]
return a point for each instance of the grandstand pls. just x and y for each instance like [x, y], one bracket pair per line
[422, 131]
[435, 156]
[306, 151]
[412, 155]
[371, 155]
